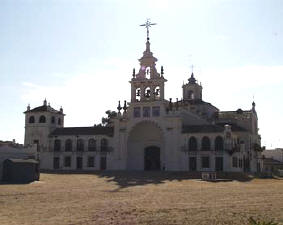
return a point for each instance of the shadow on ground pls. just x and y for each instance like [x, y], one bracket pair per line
[127, 179]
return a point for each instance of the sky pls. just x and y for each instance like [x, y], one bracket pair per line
[79, 54]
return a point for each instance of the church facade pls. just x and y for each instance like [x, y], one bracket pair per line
[150, 132]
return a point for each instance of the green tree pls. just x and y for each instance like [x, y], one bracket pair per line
[106, 121]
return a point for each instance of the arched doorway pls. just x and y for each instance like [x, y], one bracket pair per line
[144, 147]
[152, 158]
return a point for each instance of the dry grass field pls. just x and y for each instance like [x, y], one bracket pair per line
[138, 198]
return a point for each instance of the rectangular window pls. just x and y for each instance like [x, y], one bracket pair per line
[137, 112]
[155, 111]
[90, 161]
[67, 161]
[56, 162]
[240, 163]
[146, 111]
[205, 162]
[37, 144]
[235, 162]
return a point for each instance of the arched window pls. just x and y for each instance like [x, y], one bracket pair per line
[68, 145]
[80, 145]
[31, 119]
[205, 144]
[91, 145]
[42, 119]
[219, 144]
[59, 121]
[57, 145]
[193, 145]
[52, 119]
[104, 145]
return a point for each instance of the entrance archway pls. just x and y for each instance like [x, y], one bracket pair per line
[144, 147]
[152, 158]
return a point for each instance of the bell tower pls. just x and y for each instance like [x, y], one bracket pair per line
[147, 84]
[192, 90]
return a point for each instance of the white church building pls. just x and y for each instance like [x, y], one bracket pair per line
[150, 132]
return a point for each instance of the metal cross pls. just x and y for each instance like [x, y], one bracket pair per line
[148, 24]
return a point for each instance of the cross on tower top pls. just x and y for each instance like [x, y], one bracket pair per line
[148, 24]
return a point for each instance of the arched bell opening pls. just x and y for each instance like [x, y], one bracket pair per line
[147, 93]
[157, 93]
[138, 94]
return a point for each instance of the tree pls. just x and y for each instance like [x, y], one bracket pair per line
[106, 121]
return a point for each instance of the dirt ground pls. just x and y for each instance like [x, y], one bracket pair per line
[139, 198]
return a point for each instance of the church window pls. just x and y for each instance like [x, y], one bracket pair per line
[193, 144]
[205, 144]
[80, 145]
[57, 145]
[59, 121]
[137, 112]
[103, 145]
[91, 145]
[147, 92]
[31, 119]
[90, 161]
[42, 119]
[68, 145]
[235, 162]
[146, 111]
[205, 162]
[52, 119]
[219, 144]
[155, 111]
[67, 161]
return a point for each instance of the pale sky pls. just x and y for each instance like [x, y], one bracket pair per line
[79, 54]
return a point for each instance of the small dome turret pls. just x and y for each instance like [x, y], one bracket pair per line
[192, 79]
[192, 90]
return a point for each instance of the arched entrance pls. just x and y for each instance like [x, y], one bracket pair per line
[152, 158]
[144, 147]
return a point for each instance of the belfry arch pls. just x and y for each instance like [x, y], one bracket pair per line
[145, 147]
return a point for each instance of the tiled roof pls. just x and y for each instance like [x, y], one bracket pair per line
[210, 128]
[23, 161]
[270, 161]
[44, 108]
[234, 127]
[95, 130]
